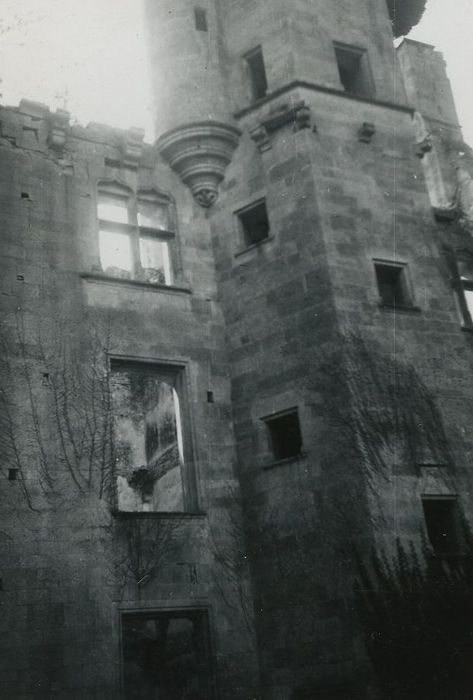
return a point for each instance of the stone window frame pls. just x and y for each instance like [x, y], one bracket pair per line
[154, 608]
[406, 283]
[180, 373]
[461, 263]
[266, 420]
[114, 189]
[200, 19]
[457, 516]
[241, 211]
[252, 76]
[366, 73]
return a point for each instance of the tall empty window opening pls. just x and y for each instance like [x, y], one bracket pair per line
[353, 69]
[464, 289]
[166, 655]
[392, 284]
[285, 434]
[255, 62]
[442, 520]
[254, 223]
[148, 437]
[200, 16]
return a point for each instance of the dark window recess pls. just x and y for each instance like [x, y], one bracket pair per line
[12, 474]
[254, 223]
[392, 284]
[259, 84]
[25, 195]
[442, 519]
[285, 435]
[353, 70]
[200, 19]
[210, 397]
[166, 655]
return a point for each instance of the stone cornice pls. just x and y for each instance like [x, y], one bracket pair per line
[319, 88]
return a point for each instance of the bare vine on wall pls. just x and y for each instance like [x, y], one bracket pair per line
[227, 538]
[383, 412]
[55, 410]
[146, 542]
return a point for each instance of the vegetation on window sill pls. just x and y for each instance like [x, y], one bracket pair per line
[467, 327]
[254, 245]
[128, 282]
[282, 462]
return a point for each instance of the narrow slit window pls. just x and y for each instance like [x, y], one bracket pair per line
[200, 16]
[254, 223]
[353, 70]
[285, 435]
[442, 520]
[392, 284]
[257, 71]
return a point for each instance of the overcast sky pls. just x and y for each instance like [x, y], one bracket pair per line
[90, 56]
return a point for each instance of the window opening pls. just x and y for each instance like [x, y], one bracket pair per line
[115, 253]
[134, 235]
[148, 438]
[442, 519]
[285, 435]
[255, 63]
[392, 284]
[166, 655]
[200, 16]
[154, 256]
[353, 70]
[254, 223]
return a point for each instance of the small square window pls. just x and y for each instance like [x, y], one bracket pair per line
[285, 435]
[392, 284]
[442, 519]
[353, 70]
[255, 63]
[254, 223]
[200, 19]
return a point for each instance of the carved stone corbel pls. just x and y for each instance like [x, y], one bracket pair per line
[366, 132]
[261, 137]
[424, 146]
[302, 117]
[199, 153]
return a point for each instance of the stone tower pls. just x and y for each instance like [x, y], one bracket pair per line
[332, 279]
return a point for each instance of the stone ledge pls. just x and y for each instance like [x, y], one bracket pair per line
[282, 462]
[253, 246]
[404, 309]
[316, 87]
[107, 279]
